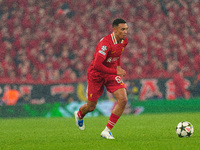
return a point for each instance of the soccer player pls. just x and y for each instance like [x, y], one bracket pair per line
[105, 71]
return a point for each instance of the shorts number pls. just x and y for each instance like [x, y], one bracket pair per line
[118, 79]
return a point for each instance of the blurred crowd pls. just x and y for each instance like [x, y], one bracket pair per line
[54, 40]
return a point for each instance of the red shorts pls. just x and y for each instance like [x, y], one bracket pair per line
[96, 83]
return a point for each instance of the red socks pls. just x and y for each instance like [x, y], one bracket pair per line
[80, 115]
[112, 121]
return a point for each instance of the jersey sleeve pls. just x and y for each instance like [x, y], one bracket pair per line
[98, 65]
[102, 51]
[123, 45]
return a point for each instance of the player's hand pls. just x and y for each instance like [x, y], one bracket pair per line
[121, 72]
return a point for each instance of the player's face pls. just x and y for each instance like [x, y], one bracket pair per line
[121, 31]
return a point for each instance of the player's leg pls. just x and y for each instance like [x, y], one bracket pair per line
[84, 109]
[121, 96]
[94, 90]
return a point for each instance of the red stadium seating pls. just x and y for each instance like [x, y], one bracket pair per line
[54, 40]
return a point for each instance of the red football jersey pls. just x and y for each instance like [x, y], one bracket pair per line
[108, 52]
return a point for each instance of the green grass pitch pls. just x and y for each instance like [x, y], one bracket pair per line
[143, 132]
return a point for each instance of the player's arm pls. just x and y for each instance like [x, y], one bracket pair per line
[121, 72]
[119, 61]
[99, 66]
[103, 49]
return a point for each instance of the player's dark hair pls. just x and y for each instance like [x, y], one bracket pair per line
[116, 22]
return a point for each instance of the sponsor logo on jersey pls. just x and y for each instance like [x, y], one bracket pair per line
[110, 59]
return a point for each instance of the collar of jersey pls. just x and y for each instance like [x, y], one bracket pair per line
[113, 38]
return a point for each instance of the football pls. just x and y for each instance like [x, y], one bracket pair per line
[184, 129]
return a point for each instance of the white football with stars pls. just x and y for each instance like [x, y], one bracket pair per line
[184, 129]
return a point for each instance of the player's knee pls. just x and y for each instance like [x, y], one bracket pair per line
[91, 107]
[123, 101]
